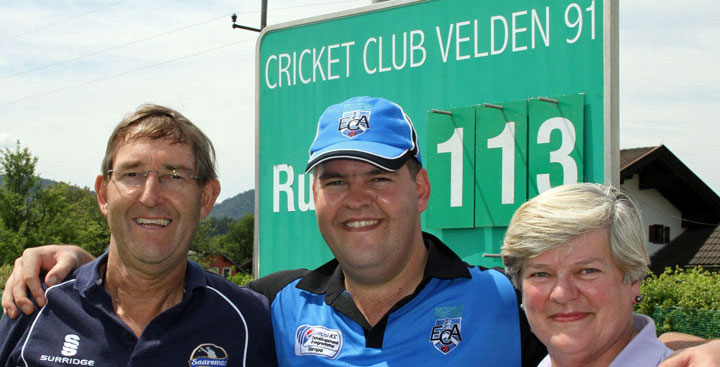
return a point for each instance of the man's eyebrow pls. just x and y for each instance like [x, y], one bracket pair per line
[176, 167]
[128, 165]
[326, 175]
[138, 164]
[379, 171]
[334, 174]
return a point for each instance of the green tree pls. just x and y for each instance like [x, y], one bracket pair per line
[5, 271]
[237, 243]
[19, 184]
[202, 244]
[69, 214]
[32, 215]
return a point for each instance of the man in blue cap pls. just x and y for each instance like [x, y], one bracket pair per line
[393, 295]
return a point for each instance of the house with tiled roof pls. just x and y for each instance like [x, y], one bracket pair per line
[681, 213]
[708, 256]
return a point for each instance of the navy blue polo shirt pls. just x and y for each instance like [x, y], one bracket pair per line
[216, 324]
[459, 315]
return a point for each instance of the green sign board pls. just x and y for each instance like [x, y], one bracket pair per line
[508, 99]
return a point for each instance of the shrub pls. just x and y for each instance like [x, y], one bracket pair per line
[241, 278]
[5, 271]
[688, 288]
[685, 300]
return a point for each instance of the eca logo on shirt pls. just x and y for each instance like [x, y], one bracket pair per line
[446, 335]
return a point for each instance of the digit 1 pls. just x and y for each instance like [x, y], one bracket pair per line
[506, 142]
[591, 9]
[454, 146]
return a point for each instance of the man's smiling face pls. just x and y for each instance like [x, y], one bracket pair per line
[369, 217]
[152, 223]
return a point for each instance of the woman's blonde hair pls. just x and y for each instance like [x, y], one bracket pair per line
[555, 217]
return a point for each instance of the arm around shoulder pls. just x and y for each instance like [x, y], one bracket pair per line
[704, 354]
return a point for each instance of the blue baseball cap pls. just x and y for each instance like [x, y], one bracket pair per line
[368, 129]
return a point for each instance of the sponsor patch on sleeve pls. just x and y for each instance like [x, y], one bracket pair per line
[318, 341]
[208, 355]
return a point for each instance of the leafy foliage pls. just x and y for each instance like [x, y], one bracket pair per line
[241, 278]
[19, 182]
[236, 243]
[32, 214]
[5, 271]
[685, 300]
[689, 288]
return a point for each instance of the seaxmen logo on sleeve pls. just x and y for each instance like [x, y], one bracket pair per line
[208, 355]
[446, 335]
[318, 341]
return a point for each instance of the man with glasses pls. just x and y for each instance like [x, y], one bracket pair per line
[143, 302]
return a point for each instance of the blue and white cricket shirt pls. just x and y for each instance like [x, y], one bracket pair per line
[459, 315]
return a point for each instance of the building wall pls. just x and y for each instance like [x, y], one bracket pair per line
[222, 266]
[655, 209]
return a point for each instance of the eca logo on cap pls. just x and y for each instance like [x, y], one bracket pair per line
[354, 123]
[369, 129]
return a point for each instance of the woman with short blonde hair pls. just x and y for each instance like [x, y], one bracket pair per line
[577, 253]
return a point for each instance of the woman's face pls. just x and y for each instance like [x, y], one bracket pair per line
[576, 301]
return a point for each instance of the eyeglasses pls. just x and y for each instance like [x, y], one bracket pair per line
[171, 179]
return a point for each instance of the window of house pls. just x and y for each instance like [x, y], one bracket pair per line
[227, 272]
[659, 233]
[214, 269]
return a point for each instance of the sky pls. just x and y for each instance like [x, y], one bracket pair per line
[71, 70]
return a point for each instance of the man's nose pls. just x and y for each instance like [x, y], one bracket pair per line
[151, 194]
[357, 197]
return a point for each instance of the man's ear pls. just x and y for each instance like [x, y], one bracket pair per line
[422, 185]
[210, 192]
[101, 193]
